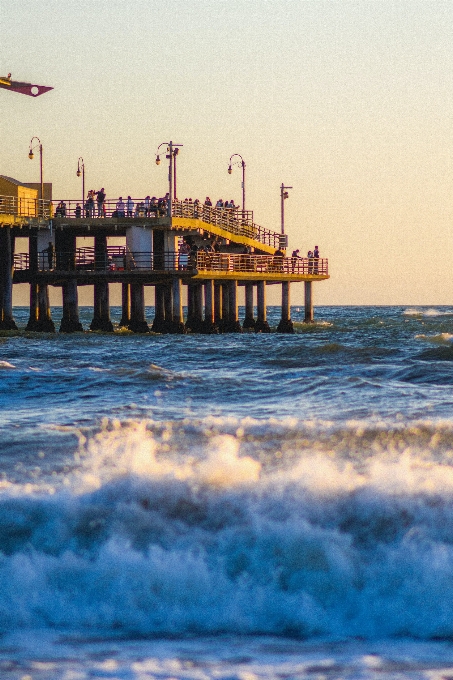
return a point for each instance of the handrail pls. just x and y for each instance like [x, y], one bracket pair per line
[234, 221]
[120, 258]
[261, 264]
[25, 207]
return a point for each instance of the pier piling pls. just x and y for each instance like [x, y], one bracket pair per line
[70, 322]
[138, 323]
[261, 325]
[249, 320]
[308, 318]
[7, 322]
[285, 325]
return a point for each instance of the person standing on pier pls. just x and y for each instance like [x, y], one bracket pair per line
[316, 259]
[101, 202]
[120, 207]
[50, 250]
[130, 206]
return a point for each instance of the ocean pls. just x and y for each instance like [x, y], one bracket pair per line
[239, 506]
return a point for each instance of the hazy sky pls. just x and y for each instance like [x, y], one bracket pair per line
[350, 102]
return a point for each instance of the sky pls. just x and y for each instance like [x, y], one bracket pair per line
[348, 102]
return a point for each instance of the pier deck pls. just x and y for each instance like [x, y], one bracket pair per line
[227, 249]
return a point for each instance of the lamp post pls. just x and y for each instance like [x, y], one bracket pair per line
[81, 171]
[31, 156]
[172, 152]
[283, 196]
[230, 170]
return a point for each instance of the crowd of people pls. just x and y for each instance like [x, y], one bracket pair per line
[96, 206]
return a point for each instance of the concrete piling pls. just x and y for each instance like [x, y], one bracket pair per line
[70, 322]
[261, 325]
[286, 325]
[138, 323]
[308, 318]
[249, 320]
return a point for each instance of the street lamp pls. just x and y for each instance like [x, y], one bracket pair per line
[172, 152]
[283, 196]
[230, 170]
[81, 171]
[31, 156]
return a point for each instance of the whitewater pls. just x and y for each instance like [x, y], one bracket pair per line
[233, 506]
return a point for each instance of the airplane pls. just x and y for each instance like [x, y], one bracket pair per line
[23, 88]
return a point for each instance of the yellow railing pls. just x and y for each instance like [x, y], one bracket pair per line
[25, 207]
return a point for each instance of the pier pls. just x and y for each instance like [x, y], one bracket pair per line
[227, 250]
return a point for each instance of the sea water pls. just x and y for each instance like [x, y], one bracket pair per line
[229, 506]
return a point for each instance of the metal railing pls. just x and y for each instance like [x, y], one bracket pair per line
[88, 259]
[234, 221]
[25, 207]
[261, 264]
[133, 208]
[119, 258]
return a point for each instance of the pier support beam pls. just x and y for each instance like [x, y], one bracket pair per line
[159, 310]
[218, 314]
[223, 326]
[261, 325]
[45, 323]
[209, 325]
[178, 317]
[7, 322]
[249, 321]
[137, 323]
[101, 318]
[233, 317]
[308, 318]
[285, 325]
[198, 307]
[40, 319]
[70, 322]
[195, 307]
[125, 305]
[32, 324]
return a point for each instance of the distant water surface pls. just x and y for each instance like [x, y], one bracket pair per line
[229, 506]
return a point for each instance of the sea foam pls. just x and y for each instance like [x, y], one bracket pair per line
[303, 540]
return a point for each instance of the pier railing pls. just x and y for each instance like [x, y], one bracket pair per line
[233, 220]
[120, 258]
[25, 207]
[261, 264]
[236, 222]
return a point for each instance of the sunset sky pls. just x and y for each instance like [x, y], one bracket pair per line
[350, 102]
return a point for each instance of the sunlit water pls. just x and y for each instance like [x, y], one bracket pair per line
[232, 506]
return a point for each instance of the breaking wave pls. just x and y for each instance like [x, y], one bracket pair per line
[236, 525]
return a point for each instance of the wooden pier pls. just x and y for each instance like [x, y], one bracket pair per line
[243, 254]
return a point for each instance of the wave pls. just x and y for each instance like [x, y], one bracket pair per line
[438, 338]
[432, 312]
[237, 526]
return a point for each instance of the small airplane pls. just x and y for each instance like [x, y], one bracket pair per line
[23, 88]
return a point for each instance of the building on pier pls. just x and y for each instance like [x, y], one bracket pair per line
[227, 250]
